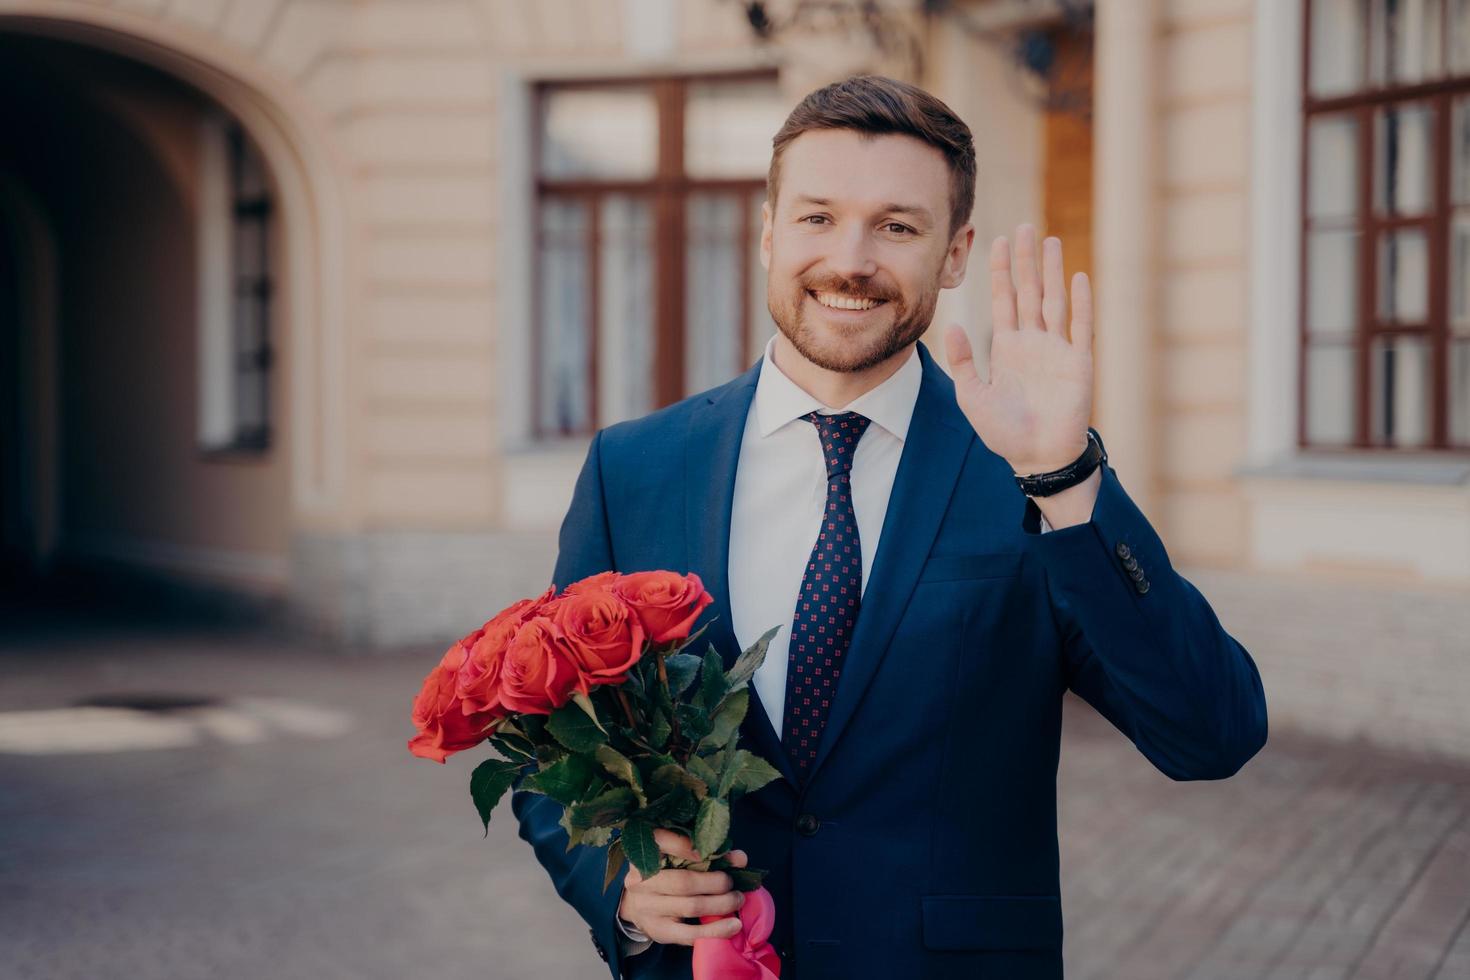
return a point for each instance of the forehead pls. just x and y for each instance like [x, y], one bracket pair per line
[857, 169]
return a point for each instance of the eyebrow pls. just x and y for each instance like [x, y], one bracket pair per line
[890, 208]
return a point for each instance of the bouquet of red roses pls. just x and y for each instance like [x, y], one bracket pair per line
[593, 695]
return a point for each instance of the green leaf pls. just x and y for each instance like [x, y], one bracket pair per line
[604, 810]
[668, 777]
[640, 847]
[548, 754]
[748, 662]
[513, 747]
[588, 708]
[712, 685]
[726, 721]
[565, 781]
[660, 728]
[694, 722]
[488, 784]
[597, 836]
[701, 769]
[711, 827]
[615, 861]
[622, 767]
[747, 773]
[682, 668]
[570, 726]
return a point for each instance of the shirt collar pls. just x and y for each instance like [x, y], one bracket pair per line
[779, 400]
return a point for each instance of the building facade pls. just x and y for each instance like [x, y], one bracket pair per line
[321, 300]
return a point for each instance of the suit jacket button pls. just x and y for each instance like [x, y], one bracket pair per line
[1142, 586]
[807, 825]
[598, 944]
[1130, 563]
[1136, 573]
[1123, 551]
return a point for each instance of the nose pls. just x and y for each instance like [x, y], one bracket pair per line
[851, 255]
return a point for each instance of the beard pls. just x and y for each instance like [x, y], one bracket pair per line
[857, 354]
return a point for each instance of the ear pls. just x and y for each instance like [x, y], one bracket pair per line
[766, 235]
[957, 258]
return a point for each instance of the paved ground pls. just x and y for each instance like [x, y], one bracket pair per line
[285, 833]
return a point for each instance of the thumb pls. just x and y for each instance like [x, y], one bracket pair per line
[960, 354]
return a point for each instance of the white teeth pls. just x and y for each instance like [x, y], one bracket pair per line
[845, 302]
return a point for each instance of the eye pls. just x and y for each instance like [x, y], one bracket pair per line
[814, 218]
[901, 229]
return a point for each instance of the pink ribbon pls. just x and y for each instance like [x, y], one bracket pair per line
[746, 955]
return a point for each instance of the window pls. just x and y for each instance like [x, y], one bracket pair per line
[648, 278]
[235, 292]
[1385, 318]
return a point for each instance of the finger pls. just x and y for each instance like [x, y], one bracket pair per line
[1053, 287]
[675, 845]
[960, 354]
[1082, 311]
[685, 933]
[738, 858]
[1002, 291]
[691, 906]
[1028, 283]
[675, 881]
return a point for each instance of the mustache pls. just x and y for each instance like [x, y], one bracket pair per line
[856, 290]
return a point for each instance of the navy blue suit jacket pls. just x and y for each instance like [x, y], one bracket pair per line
[924, 841]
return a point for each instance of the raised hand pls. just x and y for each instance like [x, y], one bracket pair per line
[1035, 408]
[659, 905]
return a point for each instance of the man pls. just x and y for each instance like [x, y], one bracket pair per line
[936, 609]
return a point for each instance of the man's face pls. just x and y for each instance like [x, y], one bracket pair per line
[858, 246]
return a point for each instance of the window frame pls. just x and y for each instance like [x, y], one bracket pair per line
[669, 188]
[1362, 104]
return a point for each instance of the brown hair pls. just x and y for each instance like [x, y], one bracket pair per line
[876, 105]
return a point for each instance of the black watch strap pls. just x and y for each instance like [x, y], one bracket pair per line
[1046, 484]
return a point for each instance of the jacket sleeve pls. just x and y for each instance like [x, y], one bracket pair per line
[584, 549]
[1143, 646]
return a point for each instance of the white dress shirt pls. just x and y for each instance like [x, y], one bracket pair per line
[781, 495]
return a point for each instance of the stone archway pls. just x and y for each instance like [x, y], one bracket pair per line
[316, 260]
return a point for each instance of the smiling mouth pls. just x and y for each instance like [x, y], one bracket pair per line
[836, 301]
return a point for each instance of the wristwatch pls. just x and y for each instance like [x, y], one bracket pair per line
[1046, 484]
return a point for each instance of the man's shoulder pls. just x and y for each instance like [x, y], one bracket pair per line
[666, 427]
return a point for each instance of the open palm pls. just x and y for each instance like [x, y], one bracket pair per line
[1035, 408]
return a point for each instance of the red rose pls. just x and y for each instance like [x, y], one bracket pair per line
[478, 686]
[444, 727]
[602, 633]
[601, 582]
[539, 674]
[665, 602]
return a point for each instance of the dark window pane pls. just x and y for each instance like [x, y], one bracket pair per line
[1332, 156]
[1403, 276]
[728, 127]
[1332, 281]
[1336, 41]
[714, 338]
[1459, 380]
[1403, 166]
[563, 334]
[1406, 42]
[1399, 373]
[1331, 394]
[609, 133]
[625, 318]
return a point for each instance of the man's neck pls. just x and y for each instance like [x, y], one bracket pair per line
[835, 389]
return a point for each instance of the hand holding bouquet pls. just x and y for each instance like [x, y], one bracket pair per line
[593, 698]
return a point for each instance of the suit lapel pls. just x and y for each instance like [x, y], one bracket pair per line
[711, 456]
[933, 454]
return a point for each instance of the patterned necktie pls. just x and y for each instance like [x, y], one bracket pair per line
[827, 606]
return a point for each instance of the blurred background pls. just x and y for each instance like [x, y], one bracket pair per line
[309, 308]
